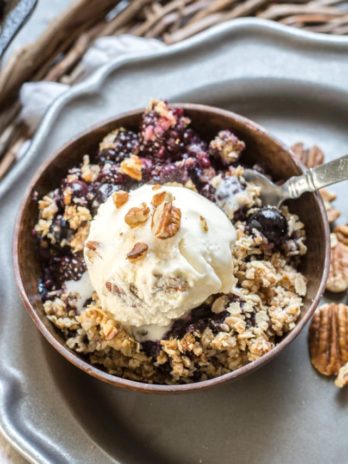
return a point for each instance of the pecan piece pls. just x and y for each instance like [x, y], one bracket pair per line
[132, 167]
[328, 338]
[160, 197]
[120, 198]
[137, 252]
[309, 157]
[328, 198]
[338, 271]
[112, 288]
[92, 245]
[166, 220]
[203, 224]
[137, 216]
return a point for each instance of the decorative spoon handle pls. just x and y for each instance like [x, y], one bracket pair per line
[317, 178]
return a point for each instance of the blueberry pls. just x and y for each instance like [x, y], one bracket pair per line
[126, 143]
[79, 188]
[270, 222]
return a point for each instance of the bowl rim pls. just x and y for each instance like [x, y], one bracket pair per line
[138, 386]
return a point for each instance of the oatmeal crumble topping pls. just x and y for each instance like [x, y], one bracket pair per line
[227, 330]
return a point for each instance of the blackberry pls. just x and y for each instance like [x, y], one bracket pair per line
[270, 222]
[199, 319]
[162, 131]
[125, 143]
[170, 172]
[110, 174]
[68, 267]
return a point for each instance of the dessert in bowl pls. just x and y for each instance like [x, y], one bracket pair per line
[147, 260]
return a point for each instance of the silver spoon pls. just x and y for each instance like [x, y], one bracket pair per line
[313, 179]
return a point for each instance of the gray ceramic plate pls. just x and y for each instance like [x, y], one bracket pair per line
[295, 84]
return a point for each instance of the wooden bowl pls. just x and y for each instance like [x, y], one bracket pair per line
[261, 147]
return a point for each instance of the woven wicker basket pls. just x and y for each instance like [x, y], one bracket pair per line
[56, 54]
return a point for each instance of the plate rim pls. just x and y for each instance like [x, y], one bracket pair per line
[92, 84]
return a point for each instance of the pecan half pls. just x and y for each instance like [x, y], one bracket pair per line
[132, 167]
[166, 220]
[328, 198]
[309, 157]
[342, 234]
[328, 338]
[338, 271]
[137, 216]
[137, 252]
[120, 198]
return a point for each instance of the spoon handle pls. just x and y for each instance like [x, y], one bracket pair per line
[317, 178]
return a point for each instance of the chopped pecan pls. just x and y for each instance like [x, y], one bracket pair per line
[160, 197]
[331, 211]
[112, 288]
[120, 198]
[132, 167]
[137, 252]
[328, 338]
[137, 216]
[309, 157]
[166, 220]
[338, 271]
[342, 234]
[92, 245]
[203, 224]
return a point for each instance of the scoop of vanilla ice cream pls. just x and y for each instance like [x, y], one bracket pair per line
[173, 275]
